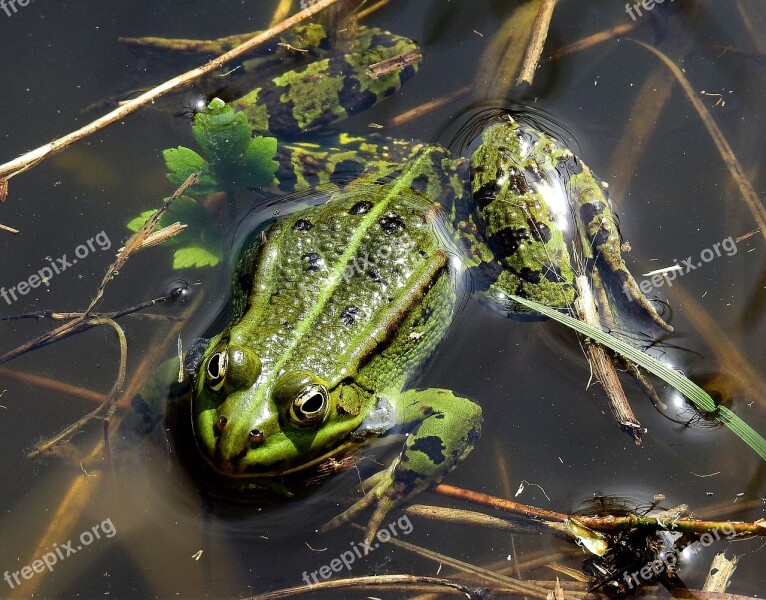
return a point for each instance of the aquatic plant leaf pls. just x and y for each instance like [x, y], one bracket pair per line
[677, 380]
[233, 159]
[194, 256]
[182, 162]
[190, 212]
[137, 222]
[259, 162]
[222, 133]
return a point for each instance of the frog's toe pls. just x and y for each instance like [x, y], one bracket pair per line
[379, 496]
[347, 514]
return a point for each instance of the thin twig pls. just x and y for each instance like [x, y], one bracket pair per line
[590, 41]
[537, 42]
[375, 7]
[607, 523]
[362, 582]
[53, 385]
[602, 365]
[517, 585]
[427, 107]
[134, 244]
[15, 166]
[105, 410]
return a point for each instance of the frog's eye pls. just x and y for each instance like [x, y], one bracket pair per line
[216, 370]
[310, 405]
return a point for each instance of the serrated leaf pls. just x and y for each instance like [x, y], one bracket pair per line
[186, 210]
[183, 160]
[235, 159]
[194, 256]
[222, 133]
[259, 161]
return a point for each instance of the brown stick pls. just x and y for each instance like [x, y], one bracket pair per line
[422, 109]
[590, 41]
[54, 385]
[14, 167]
[517, 585]
[536, 43]
[602, 365]
[362, 582]
[608, 523]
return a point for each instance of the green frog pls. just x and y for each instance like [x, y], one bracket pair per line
[338, 305]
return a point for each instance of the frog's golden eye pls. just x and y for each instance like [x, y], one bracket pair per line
[310, 405]
[216, 370]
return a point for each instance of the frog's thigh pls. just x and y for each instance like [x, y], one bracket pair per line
[446, 429]
[529, 248]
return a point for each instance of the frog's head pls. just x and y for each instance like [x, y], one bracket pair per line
[249, 422]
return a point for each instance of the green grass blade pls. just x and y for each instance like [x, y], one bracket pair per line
[676, 379]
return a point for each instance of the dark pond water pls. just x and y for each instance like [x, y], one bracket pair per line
[543, 425]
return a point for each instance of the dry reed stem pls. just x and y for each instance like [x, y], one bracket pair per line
[604, 524]
[364, 582]
[602, 364]
[53, 385]
[536, 42]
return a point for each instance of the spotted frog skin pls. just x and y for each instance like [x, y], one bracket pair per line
[339, 305]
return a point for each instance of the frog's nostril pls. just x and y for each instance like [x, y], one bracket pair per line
[220, 424]
[255, 437]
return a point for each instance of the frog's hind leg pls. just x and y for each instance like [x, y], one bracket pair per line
[519, 214]
[546, 218]
[337, 159]
[600, 244]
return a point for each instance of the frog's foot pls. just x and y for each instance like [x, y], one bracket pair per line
[601, 241]
[443, 430]
[384, 495]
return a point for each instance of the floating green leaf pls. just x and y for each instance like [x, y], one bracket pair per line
[676, 379]
[233, 159]
[194, 256]
[190, 212]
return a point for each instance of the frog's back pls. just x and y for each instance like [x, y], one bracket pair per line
[338, 284]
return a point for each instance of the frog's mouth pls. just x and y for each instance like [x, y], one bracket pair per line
[234, 469]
